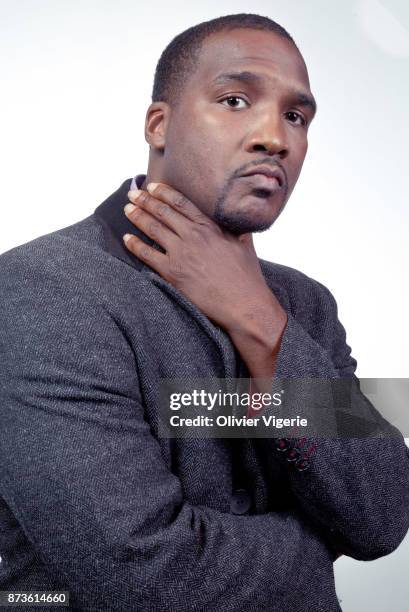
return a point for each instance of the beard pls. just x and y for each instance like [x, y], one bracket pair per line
[241, 221]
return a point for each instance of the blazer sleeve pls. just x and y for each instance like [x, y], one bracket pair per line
[85, 477]
[356, 485]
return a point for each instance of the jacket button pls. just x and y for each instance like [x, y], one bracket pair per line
[240, 502]
[283, 444]
[302, 464]
[293, 455]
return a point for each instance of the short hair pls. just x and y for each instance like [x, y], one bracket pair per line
[181, 56]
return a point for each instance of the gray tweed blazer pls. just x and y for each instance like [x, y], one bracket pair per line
[93, 501]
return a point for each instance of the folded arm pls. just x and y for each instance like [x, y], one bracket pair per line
[356, 485]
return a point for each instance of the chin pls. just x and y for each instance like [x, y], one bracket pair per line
[239, 226]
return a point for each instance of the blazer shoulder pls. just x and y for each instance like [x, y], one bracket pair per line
[73, 256]
[87, 231]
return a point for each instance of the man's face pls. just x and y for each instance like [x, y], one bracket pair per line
[245, 106]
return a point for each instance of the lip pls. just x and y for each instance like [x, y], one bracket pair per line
[261, 182]
[275, 173]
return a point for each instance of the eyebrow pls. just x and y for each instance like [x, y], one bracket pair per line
[301, 98]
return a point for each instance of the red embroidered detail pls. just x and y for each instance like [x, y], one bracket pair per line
[310, 451]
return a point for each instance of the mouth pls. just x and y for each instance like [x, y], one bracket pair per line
[262, 186]
[273, 178]
[264, 180]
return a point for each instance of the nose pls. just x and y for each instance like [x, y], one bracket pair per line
[268, 134]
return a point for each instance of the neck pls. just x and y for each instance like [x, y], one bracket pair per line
[154, 173]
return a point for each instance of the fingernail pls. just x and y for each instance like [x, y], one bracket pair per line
[129, 208]
[126, 237]
[134, 193]
[151, 187]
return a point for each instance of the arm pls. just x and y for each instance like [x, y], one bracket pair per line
[86, 479]
[357, 488]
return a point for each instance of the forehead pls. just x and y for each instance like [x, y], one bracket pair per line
[265, 52]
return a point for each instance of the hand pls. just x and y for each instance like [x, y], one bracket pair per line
[217, 271]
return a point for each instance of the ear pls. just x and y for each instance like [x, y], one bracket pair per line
[156, 121]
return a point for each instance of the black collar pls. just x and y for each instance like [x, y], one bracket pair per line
[110, 214]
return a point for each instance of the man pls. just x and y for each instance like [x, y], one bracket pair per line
[94, 500]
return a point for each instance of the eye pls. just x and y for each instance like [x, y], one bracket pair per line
[297, 116]
[234, 99]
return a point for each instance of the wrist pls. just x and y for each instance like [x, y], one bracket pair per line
[261, 324]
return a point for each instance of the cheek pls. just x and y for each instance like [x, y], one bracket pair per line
[190, 168]
[208, 141]
[300, 149]
[198, 153]
[207, 133]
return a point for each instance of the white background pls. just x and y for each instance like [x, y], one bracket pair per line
[76, 83]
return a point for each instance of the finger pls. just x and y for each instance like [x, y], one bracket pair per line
[173, 219]
[152, 257]
[151, 226]
[178, 201]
